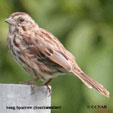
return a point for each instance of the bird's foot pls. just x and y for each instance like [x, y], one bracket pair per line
[29, 82]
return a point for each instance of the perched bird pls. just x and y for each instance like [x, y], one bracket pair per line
[41, 54]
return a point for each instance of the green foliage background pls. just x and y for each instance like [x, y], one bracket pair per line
[85, 27]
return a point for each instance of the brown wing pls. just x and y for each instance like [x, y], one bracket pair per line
[47, 44]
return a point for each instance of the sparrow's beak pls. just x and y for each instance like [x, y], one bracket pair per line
[10, 21]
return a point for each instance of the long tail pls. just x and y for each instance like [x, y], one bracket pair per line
[90, 82]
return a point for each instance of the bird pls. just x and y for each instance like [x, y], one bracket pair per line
[41, 54]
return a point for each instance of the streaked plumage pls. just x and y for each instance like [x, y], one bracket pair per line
[41, 54]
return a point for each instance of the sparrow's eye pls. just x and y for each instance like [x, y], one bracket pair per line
[21, 19]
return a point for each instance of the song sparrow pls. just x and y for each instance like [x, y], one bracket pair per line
[41, 54]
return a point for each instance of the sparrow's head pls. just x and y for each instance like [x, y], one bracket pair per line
[21, 19]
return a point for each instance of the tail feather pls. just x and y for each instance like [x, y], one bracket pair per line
[91, 83]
